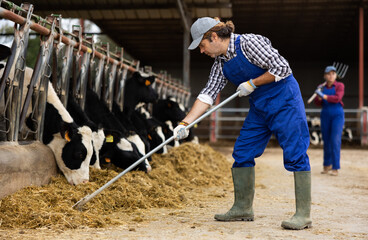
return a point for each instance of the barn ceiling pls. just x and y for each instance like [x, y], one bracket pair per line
[151, 30]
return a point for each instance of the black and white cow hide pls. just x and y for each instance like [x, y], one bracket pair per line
[314, 124]
[129, 146]
[170, 113]
[71, 144]
[138, 89]
[98, 136]
[153, 128]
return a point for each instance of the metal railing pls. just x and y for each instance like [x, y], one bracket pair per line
[227, 122]
[78, 60]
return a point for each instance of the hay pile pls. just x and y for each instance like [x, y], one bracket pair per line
[174, 174]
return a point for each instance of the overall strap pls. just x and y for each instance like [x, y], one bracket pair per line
[237, 46]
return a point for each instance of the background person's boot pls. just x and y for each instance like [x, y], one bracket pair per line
[326, 169]
[301, 218]
[242, 209]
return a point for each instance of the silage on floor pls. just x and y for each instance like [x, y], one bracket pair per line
[184, 168]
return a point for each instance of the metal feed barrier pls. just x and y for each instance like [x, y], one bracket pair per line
[80, 58]
[227, 122]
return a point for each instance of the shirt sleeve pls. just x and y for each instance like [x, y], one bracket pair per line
[216, 82]
[259, 51]
[340, 91]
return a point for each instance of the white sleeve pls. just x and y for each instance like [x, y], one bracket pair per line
[205, 98]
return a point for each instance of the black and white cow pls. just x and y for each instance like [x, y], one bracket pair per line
[125, 146]
[81, 118]
[171, 113]
[314, 124]
[152, 127]
[71, 144]
[138, 89]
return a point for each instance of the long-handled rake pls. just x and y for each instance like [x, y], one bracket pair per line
[87, 198]
[341, 70]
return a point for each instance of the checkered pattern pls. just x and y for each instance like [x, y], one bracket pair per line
[258, 50]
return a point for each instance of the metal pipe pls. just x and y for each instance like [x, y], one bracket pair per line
[44, 31]
[39, 19]
[87, 198]
[4, 13]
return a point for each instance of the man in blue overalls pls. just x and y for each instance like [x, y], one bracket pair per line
[276, 107]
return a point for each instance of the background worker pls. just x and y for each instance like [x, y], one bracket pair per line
[250, 62]
[332, 119]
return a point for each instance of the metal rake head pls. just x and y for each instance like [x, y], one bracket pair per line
[341, 69]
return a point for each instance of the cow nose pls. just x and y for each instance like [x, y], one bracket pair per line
[85, 181]
[149, 168]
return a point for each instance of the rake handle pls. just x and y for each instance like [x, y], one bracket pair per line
[87, 198]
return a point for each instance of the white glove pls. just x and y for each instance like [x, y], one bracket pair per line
[246, 88]
[180, 132]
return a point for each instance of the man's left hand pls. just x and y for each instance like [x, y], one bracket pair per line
[245, 88]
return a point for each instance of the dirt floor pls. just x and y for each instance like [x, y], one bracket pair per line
[339, 207]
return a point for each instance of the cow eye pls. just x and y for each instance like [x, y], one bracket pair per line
[80, 155]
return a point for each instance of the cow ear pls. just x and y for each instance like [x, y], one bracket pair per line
[66, 136]
[151, 79]
[66, 131]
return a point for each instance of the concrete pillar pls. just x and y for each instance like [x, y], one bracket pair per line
[25, 165]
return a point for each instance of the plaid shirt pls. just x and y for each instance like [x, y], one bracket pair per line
[258, 50]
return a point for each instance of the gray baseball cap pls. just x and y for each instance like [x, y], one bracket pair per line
[199, 28]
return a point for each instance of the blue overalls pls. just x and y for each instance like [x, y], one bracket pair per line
[332, 123]
[275, 108]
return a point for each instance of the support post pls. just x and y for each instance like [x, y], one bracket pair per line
[186, 57]
[361, 57]
[363, 137]
[187, 21]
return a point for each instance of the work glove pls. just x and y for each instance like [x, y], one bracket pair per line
[180, 132]
[246, 88]
[319, 93]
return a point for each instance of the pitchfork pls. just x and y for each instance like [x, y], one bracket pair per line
[341, 70]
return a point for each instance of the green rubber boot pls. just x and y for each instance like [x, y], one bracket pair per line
[301, 218]
[242, 210]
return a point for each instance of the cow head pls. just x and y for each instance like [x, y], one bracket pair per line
[121, 152]
[98, 138]
[139, 89]
[73, 151]
[168, 109]
[155, 134]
